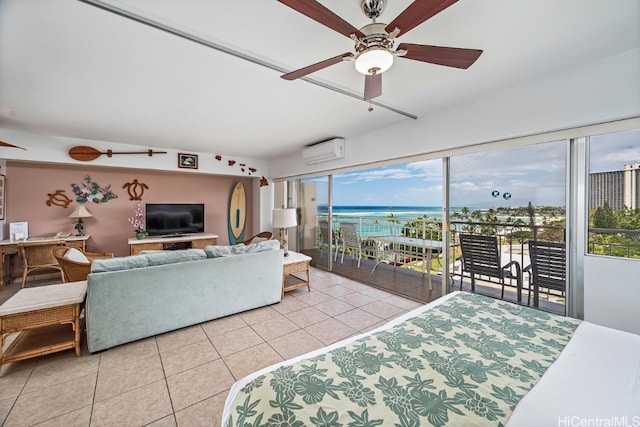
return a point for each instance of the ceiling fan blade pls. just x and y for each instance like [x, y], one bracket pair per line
[417, 12]
[314, 10]
[315, 67]
[372, 86]
[447, 56]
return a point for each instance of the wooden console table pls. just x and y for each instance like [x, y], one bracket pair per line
[10, 247]
[159, 243]
[42, 320]
[296, 263]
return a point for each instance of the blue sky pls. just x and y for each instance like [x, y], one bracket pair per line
[533, 173]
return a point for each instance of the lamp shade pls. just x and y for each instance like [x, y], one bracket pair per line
[80, 212]
[284, 218]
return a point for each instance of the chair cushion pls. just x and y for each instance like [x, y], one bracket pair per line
[76, 255]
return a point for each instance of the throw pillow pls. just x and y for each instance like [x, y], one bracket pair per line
[267, 245]
[222, 251]
[76, 255]
[258, 240]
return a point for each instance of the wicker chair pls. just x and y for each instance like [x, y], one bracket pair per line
[74, 271]
[37, 258]
[267, 235]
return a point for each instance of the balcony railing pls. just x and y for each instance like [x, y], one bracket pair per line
[611, 242]
[614, 242]
[512, 238]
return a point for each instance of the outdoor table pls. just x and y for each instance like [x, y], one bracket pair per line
[401, 247]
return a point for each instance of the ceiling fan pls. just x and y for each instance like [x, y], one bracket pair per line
[374, 42]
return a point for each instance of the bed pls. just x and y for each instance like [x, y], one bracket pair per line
[464, 359]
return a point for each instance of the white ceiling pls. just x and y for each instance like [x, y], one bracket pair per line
[71, 69]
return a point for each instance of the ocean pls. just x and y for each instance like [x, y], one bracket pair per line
[400, 212]
[372, 220]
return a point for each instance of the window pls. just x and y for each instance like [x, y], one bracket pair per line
[614, 194]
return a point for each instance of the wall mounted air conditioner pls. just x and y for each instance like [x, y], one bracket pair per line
[324, 151]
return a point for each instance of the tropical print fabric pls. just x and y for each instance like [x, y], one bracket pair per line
[467, 362]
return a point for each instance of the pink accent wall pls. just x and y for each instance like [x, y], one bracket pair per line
[28, 186]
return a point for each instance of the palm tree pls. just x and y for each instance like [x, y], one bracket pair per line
[465, 212]
[531, 213]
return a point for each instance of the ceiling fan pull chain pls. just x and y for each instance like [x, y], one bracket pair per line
[370, 106]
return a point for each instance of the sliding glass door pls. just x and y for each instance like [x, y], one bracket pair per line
[517, 195]
[314, 230]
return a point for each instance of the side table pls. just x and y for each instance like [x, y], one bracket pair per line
[35, 321]
[296, 263]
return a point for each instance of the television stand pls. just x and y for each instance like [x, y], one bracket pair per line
[176, 246]
[160, 243]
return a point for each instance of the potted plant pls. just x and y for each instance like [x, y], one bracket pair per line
[137, 220]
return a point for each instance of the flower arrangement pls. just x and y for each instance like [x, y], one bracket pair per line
[90, 192]
[137, 220]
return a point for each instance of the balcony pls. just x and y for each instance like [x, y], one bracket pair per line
[403, 270]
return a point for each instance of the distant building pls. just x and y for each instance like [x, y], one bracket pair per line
[618, 188]
[631, 187]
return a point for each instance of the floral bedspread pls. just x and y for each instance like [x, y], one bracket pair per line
[468, 362]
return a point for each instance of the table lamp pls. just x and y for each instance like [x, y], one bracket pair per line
[283, 219]
[80, 212]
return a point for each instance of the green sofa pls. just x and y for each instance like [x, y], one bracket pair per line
[134, 297]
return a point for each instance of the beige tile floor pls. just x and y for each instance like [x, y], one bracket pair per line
[181, 378]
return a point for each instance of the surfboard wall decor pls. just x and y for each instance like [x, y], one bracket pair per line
[237, 214]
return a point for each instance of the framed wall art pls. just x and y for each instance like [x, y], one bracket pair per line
[188, 161]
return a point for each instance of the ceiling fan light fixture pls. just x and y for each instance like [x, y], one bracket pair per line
[374, 61]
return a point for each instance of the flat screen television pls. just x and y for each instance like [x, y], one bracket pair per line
[174, 218]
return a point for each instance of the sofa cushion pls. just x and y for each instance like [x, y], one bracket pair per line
[120, 263]
[171, 257]
[76, 255]
[222, 251]
[147, 259]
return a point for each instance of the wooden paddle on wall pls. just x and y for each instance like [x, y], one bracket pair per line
[6, 144]
[85, 153]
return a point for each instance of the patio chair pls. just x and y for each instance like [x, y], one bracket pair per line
[75, 263]
[351, 240]
[547, 268]
[326, 238]
[37, 258]
[481, 256]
